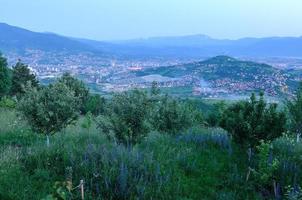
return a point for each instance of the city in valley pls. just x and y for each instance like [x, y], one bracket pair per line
[106, 74]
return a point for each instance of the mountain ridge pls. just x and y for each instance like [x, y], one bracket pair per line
[13, 38]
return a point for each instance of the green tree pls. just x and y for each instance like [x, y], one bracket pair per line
[295, 112]
[49, 109]
[78, 87]
[171, 116]
[127, 117]
[5, 77]
[155, 89]
[22, 76]
[95, 104]
[252, 121]
[215, 116]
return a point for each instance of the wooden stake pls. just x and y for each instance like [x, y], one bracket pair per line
[82, 189]
[275, 188]
[248, 174]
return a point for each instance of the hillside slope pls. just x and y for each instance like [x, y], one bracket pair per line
[19, 39]
[225, 74]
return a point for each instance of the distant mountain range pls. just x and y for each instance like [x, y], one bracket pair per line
[18, 40]
[196, 46]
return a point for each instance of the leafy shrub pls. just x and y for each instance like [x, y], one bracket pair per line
[266, 169]
[7, 102]
[172, 116]
[49, 109]
[61, 191]
[78, 88]
[279, 168]
[21, 77]
[215, 117]
[95, 105]
[5, 77]
[127, 117]
[295, 112]
[293, 193]
[252, 121]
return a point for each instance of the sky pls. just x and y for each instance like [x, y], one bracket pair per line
[127, 19]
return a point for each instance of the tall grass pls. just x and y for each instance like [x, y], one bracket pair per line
[205, 137]
[287, 151]
[161, 167]
[10, 121]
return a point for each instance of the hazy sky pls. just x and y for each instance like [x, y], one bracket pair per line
[124, 19]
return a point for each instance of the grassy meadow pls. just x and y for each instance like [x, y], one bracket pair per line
[201, 163]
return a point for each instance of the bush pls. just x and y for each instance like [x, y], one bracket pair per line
[127, 117]
[49, 109]
[5, 77]
[95, 105]
[7, 102]
[172, 116]
[21, 77]
[279, 167]
[215, 117]
[252, 121]
[78, 88]
[295, 112]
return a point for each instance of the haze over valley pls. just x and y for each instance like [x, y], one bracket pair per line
[186, 63]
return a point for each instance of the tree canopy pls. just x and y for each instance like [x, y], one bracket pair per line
[295, 111]
[252, 121]
[5, 79]
[21, 76]
[78, 87]
[49, 109]
[127, 117]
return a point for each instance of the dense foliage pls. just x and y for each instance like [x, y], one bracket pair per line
[278, 169]
[295, 112]
[127, 117]
[5, 81]
[94, 104]
[252, 121]
[78, 87]
[172, 116]
[215, 117]
[21, 77]
[50, 108]
[7, 102]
